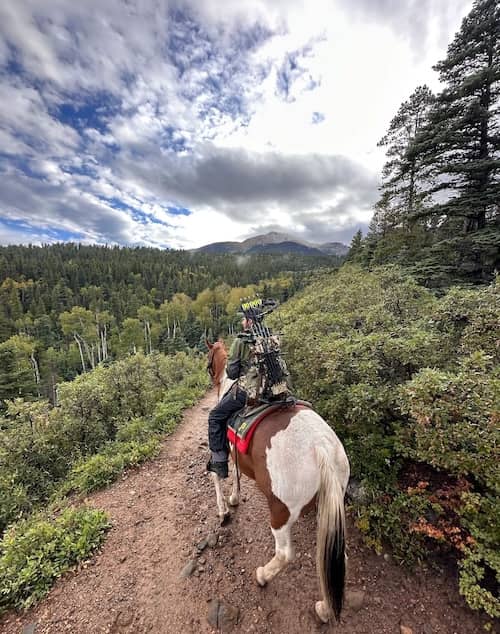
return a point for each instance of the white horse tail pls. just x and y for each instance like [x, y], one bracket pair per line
[330, 549]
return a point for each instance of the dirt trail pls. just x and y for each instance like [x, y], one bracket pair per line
[160, 513]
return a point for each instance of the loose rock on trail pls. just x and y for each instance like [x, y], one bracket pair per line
[168, 567]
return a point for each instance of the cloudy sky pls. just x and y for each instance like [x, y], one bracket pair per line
[174, 124]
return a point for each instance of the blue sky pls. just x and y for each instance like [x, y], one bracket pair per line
[175, 124]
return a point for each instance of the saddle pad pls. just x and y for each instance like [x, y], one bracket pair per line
[243, 424]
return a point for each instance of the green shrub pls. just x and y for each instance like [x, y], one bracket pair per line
[453, 420]
[103, 468]
[398, 517]
[132, 452]
[94, 473]
[35, 552]
[454, 427]
[129, 401]
[188, 391]
[410, 382]
[14, 500]
[30, 460]
[476, 561]
[137, 429]
[351, 339]
[479, 575]
[167, 415]
[107, 420]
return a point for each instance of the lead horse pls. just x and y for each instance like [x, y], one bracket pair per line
[216, 364]
[298, 462]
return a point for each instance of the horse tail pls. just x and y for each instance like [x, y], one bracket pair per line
[330, 549]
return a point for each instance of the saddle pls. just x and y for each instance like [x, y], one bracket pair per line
[242, 425]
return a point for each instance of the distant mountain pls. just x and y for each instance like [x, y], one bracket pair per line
[273, 237]
[289, 246]
[275, 242]
[334, 248]
[220, 247]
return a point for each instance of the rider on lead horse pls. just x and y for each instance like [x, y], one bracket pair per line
[236, 398]
[260, 376]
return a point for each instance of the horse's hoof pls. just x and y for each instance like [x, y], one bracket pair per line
[259, 575]
[225, 519]
[233, 500]
[322, 611]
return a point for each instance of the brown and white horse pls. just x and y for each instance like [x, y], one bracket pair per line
[297, 461]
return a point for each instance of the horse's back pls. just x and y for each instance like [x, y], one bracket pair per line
[285, 455]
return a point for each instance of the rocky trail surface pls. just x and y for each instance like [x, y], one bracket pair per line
[168, 567]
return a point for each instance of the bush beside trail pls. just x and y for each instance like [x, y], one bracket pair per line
[411, 383]
[107, 420]
[36, 551]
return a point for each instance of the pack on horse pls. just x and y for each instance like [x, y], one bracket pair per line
[297, 461]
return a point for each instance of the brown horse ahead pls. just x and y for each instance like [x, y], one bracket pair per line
[216, 364]
[296, 460]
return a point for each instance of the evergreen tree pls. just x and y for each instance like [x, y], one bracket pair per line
[461, 144]
[84, 305]
[16, 370]
[403, 191]
[356, 247]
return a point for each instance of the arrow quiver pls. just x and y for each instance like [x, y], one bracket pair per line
[266, 362]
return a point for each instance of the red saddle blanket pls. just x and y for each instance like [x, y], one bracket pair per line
[241, 426]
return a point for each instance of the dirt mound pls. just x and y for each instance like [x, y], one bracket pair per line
[167, 567]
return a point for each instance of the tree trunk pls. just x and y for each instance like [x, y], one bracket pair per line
[54, 391]
[104, 343]
[99, 347]
[147, 337]
[36, 372]
[411, 194]
[77, 339]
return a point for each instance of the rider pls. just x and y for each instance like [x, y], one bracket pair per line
[234, 400]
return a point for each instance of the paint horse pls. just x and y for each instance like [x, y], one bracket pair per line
[298, 462]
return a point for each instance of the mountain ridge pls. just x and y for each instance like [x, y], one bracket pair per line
[274, 242]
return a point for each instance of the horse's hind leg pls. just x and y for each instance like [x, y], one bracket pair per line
[284, 551]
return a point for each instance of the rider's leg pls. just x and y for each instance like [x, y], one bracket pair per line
[217, 425]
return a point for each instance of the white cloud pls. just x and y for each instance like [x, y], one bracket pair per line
[23, 235]
[182, 104]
